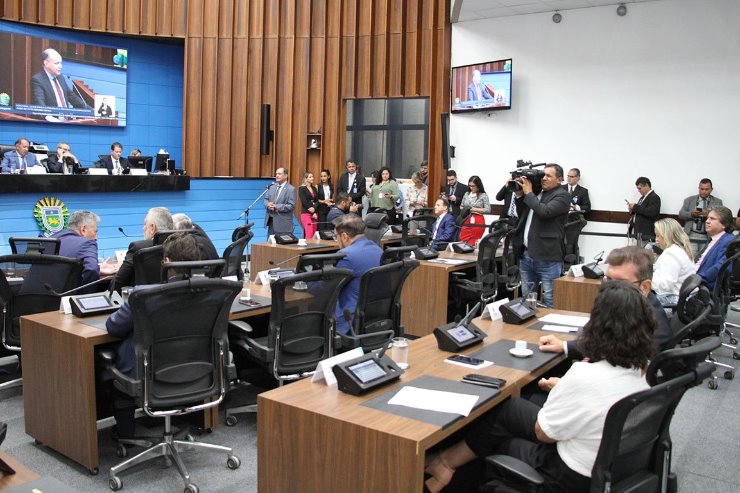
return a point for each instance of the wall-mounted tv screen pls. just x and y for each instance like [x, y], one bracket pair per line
[48, 80]
[483, 86]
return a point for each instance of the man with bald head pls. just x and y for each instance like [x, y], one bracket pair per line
[49, 87]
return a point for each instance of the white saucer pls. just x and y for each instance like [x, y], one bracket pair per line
[521, 353]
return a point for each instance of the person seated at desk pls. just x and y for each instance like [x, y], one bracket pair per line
[157, 219]
[719, 229]
[19, 160]
[57, 163]
[634, 265]
[562, 438]
[444, 227]
[80, 240]
[342, 206]
[114, 162]
[183, 222]
[178, 247]
[674, 265]
[361, 256]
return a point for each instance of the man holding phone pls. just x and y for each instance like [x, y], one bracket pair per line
[694, 214]
[453, 192]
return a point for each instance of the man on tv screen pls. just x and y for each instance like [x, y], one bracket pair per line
[48, 87]
[477, 91]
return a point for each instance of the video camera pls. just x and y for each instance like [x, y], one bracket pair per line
[529, 171]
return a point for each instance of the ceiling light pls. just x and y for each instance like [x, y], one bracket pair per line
[556, 17]
[622, 10]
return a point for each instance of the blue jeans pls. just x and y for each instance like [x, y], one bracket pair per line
[534, 272]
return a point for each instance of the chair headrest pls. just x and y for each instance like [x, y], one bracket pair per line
[376, 220]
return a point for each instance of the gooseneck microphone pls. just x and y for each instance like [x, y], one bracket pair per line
[278, 264]
[50, 289]
[120, 229]
[75, 88]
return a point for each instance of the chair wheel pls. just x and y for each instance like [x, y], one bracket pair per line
[733, 340]
[189, 437]
[191, 488]
[735, 355]
[121, 451]
[233, 462]
[115, 483]
[713, 384]
[729, 374]
[231, 420]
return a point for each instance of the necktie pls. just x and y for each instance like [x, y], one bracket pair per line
[512, 206]
[571, 190]
[60, 94]
[280, 187]
[452, 191]
[24, 164]
[700, 255]
[478, 92]
[640, 201]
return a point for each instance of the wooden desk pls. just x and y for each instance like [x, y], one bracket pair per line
[324, 440]
[263, 253]
[59, 381]
[575, 293]
[22, 473]
[424, 296]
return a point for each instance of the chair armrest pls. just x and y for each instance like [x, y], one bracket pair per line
[241, 327]
[127, 385]
[513, 467]
[106, 357]
[457, 275]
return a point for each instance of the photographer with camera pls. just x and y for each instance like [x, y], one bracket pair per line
[541, 229]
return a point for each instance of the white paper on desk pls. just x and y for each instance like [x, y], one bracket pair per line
[576, 270]
[565, 329]
[263, 277]
[64, 306]
[323, 369]
[434, 400]
[271, 239]
[492, 312]
[449, 261]
[485, 364]
[556, 318]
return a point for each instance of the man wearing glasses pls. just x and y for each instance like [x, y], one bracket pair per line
[579, 201]
[634, 265]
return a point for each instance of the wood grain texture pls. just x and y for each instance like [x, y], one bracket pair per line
[575, 293]
[22, 473]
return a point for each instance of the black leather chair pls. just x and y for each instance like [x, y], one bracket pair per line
[234, 253]
[396, 254]
[196, 268]
[376, 226]
[421, 224]
[574, 226]
[485, 285]
[148, 265]
[378, 308]
[693, 306]
[300, 331]
[47, 246]
[30, 294]
[242, 230]
[318, 261]
[182, 352]
[635, 451]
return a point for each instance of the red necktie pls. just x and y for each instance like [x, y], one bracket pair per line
[60, 94]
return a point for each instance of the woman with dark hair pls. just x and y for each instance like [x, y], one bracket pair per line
[561, 439]
[325, 192]
[477, 200]
[719, 229]
[384, 194]
[309, 205]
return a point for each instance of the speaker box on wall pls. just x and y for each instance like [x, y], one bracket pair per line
[266, 133]
[446, 140]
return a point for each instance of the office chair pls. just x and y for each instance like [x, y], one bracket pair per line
[378, 308]
[376, 226]
[300, 332]
[234, 253]
[693, 306]
[148, 265]
[318, 261]
[485, 285]
[635, 450]
[242, 230]
[181, 350]
[47, 246]
[30, 293]
[421, 224]
[396, 254]
[212, 269]
[574, 226]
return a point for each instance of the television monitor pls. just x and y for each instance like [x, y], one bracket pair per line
[140, 162]
[161, 162]
[55, 81]
[481, 87]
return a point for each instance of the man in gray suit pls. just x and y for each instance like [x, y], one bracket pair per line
[541, 230]
[694, 213]
[280, 204]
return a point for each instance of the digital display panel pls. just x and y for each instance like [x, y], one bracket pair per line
[367, 371]
[460, 333]
[483, 86]
[520, 309]
[93, 302]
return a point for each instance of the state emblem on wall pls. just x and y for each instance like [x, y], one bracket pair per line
[51, 215]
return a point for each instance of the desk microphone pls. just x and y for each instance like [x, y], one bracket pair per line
[50, 289]
[592, 269]
[76, 90]
[124, 233]
[278, 264]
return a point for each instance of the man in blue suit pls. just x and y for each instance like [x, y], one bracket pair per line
[444, 228]
[719, 229]
[19, 160]
[362, 255]
[80, 240]
[280, 204]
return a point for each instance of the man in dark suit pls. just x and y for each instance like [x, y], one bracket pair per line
[57, 162]
[444, 227]
[48, 87]
[352, 183]
[157, 219]
[477, 91]
[540, 232]
[183, 222]
[579, 201]
[179, 247]
[114, 162]
[645, 212]
[454, 192]
[80, 240]
[508, 196]
[634, 265]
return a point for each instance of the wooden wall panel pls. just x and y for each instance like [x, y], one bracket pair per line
[116, 14]
[131, 16]
[64, 13]
[81, 14]
[148, 22]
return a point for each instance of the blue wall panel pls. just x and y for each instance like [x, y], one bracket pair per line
[154, 109]
[214, 203]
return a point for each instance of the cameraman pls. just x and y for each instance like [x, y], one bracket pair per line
[541, 230]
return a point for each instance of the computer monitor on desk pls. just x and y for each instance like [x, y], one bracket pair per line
[140, 162]
[164, 164]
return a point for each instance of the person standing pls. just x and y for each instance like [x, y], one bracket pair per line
[513, 203]
[308, 196]
[279, 204]
[694, 213]
[325, 194]
[541, 230]
[477, 200]
[644, 212]
[114, 162]
[352, 183]
[579, 200]
[19, 160]
[424, 172]
[416, 196]
[453, 192]
[384, 194]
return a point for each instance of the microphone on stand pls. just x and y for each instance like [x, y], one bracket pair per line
[50, 289]
[75, 88]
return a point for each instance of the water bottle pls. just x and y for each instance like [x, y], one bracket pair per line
[246, 293]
